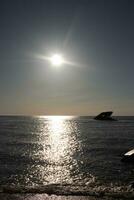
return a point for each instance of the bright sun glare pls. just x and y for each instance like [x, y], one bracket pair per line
[56, 60]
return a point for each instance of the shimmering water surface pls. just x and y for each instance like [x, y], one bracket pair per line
[75, 151]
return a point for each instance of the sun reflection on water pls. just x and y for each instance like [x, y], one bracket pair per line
[57, 140]
[59, 145]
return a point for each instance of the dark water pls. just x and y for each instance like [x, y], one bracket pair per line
[70, 154]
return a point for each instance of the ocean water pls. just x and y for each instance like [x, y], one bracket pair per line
[65, 155]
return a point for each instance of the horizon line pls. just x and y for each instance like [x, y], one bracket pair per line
[34, 115]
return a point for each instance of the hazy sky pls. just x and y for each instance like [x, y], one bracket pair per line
[96, 35]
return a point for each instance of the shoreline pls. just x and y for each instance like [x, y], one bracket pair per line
[57, 192]
[30, 196]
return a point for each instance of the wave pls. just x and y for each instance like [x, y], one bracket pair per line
[73, 190]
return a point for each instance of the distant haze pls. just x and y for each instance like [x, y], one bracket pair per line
[97, 36]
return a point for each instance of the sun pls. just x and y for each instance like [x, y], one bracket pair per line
[56, 60]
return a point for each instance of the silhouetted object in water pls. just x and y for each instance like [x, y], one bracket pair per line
[128, 157]
[132, 184]
[105, 116]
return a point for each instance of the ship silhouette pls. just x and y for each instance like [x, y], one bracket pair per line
[105, 116]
